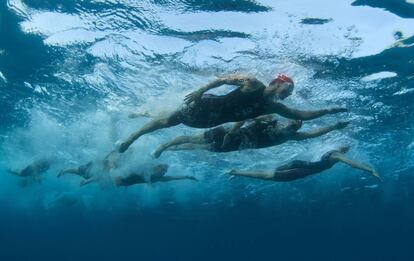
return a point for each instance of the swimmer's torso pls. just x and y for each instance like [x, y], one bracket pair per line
[213, 110]
[299, 168]
[256, 134]
[262, 134]
[36, 168]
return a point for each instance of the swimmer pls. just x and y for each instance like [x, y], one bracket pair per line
[34, 170]
[250, 99]
[83, 171]
[89, 175]
[157, 175]
[87, 172]
[262, 132]
[298, 169]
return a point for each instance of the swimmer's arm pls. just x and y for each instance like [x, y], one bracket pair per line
[283, 110]
[318, 132]
[340, 157]
[258, 174]
[233, 129]
[230, 80]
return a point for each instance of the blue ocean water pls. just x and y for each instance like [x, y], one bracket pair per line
[71, 72]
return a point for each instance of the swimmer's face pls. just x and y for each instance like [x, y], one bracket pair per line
[160, 169]
[281, 90]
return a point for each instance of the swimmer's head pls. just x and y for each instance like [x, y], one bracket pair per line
[160, 169]
[281, 87]
[344, 148]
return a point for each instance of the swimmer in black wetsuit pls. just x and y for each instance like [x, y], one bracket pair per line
[90, 175]
[251, 99]
[298, 169]
[34, 170]
[157, 175]
[90, 172]
[84, 171]
[262, 132]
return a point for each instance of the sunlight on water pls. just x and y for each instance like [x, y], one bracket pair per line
[106, 59]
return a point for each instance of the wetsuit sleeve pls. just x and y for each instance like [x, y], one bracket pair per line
[230, 80]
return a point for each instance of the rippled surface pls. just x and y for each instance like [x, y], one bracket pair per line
[71, 71]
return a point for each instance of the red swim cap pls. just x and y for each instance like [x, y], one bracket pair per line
[281, 78]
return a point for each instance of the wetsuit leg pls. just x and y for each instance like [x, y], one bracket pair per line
[195, 139]
[173, 119]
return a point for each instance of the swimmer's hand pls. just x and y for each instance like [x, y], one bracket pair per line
[337, 110]
[194, 96]
[156, 154]
[342, 124]
[231, 172]
[192, 178]
[376, 174]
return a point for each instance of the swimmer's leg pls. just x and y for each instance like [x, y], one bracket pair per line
[70, 170]
[257, 174]
[88, 181]
[155, 124]
[278, 175]
[196, 139]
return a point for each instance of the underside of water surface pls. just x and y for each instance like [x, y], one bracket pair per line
[71, 71]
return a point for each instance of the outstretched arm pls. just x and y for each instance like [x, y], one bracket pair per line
[283, 110]
[231, 80]
[318, 132]
[341, 157]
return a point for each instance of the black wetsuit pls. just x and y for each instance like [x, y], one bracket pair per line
[131, 180]
[36, 167]
[213, 110]
[85, 170]
[258, 134]
[300, 168]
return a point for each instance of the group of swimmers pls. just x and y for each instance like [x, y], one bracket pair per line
[251, 107]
